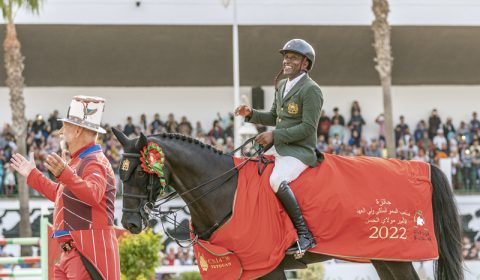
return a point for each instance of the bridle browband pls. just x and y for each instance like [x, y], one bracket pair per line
[150, 205]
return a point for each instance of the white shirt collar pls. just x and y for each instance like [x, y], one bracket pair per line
[290, 84]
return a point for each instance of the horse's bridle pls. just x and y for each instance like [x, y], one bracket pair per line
[149, 206]
[146, 212]
[148, 198]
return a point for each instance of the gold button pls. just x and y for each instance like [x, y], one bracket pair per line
[281, 109]
[279, 120]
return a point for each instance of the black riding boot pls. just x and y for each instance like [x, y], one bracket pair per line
[305, 238]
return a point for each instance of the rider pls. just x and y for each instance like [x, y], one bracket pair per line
[84, 195]
[295, 113]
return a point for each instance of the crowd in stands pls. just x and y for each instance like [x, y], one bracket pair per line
[432, 140]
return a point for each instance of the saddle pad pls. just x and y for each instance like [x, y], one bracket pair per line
[358, 208]
[215, 262]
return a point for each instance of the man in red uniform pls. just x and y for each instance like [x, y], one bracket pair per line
[84, 196]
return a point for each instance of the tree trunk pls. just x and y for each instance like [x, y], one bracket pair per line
[14, 68]
[384, 62]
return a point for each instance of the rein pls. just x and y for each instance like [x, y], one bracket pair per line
[150, 206]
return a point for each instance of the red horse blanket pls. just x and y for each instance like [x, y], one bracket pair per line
[358, 208]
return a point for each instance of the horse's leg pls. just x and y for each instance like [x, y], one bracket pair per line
[395, 270]
[382, 270]
[277, 274]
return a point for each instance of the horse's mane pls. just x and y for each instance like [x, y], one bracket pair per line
[188, 139]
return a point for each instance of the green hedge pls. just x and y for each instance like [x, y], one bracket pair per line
[139, 255]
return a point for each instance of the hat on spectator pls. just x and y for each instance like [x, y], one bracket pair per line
[86, 111]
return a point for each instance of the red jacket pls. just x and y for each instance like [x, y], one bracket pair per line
[84, 205]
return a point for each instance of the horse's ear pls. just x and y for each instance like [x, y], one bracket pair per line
[141, 142]
[122, 138]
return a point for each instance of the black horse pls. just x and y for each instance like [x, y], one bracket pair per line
[190, 164]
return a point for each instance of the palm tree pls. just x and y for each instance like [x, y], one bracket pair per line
[15, 81]
[384, 60]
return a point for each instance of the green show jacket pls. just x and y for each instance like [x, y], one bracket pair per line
[295, 118]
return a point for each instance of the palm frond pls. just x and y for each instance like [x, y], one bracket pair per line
[31, 5]
[3, 6]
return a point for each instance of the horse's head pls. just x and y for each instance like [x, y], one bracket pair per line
[140, 187]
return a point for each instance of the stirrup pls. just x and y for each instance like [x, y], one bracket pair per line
[299, 254]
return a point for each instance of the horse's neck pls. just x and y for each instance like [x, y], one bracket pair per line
[191, 166]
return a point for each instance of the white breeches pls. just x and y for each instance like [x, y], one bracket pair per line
[286, 169]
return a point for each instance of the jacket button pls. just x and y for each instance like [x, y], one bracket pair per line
[279, 120]
[281, 109]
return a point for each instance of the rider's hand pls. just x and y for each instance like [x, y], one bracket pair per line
[55, 164]
[264, 138]
[22, 165]
[244, 111]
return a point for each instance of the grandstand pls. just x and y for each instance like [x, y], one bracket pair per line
[176, 57]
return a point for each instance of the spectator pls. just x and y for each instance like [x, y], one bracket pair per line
[401, 150]
[400, 130]
[9, 181]
[356, 123]
[439, 139]
[421, 156]
[336, 115]
[449, 129]
[216, 132]
[420, 130]
[3, 160]
[142, 123]
[441, 153]
[337, 129]
[374, 150]
[323, 125]
[171, 124]
[354, 138]
[129, 128]
[199, 129]
[464, 132]
[53, 144]
[467, 169]
[229, 130]
[321, 144]
[229, 145]
[467, 245]
[355, 107]
[433, 124]
[39, 128]
[407, 136]
[171, 257]
[425, 142]
[157, 126]
[185, 127]
[39, 124]
[53, 122]
[412, 149]
[474, 124]
[456, 165]
[380, 120]
[475, 146]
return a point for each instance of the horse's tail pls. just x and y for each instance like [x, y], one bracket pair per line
[449, 266]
